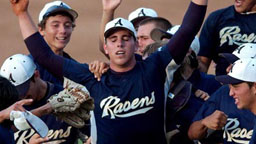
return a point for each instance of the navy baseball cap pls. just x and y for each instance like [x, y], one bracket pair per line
[231, 58]
[242, 70]
[23, 89]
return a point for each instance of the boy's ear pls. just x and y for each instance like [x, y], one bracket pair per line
[36, 73]
[105, 49]
[41, 31]
[136, 46]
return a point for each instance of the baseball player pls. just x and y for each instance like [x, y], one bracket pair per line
[22, 72]
[223, 31]
[129, 99]
[56, 22]
[241, 80]
[220, 111]
[144, 29]
[9, 101]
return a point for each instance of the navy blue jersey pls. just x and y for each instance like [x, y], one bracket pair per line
[59, 131]
[253, 139]
[129, 106]
[223, 31]
[239, 126]
[204, 82]
[6, 135]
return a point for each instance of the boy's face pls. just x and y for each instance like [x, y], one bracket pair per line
[57, 32]
[242, 6]
[244, 95]
[120, 46]
[143, 36]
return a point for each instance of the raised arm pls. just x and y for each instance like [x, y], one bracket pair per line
[109, 7]
[200, 2]
[34, 41]
[20, 8]
[192, 21]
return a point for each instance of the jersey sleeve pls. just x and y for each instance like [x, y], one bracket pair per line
[57, 65]
[179, 44]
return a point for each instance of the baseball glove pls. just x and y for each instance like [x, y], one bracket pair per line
[69, 99]
[71, 118]
[73, 104]
[78, 117]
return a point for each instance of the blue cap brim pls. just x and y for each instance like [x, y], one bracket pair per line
[231, 58]
[226, 79]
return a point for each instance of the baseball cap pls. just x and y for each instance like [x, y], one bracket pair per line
[243, 70]
[118, 23]
[158, 34]
[141, 13]
[56, 6]
[246, 50]
[18, 69]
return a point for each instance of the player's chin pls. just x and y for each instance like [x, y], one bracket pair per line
[240, 9]
[240, 106]
[121, 63]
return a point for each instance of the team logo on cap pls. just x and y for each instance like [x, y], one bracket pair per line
[11, 78]
[231, 69]
[141, 13]
[240, 48]
[119, 23]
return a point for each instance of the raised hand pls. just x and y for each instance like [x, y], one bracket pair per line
[216, 120]
[98, 68]
[201, 94]
[110, 5]
[19, 6]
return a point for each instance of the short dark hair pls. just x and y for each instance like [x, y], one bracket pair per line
[8, 93]
[63, 13]
[250, 84]
[8, 96]
[160, 22]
